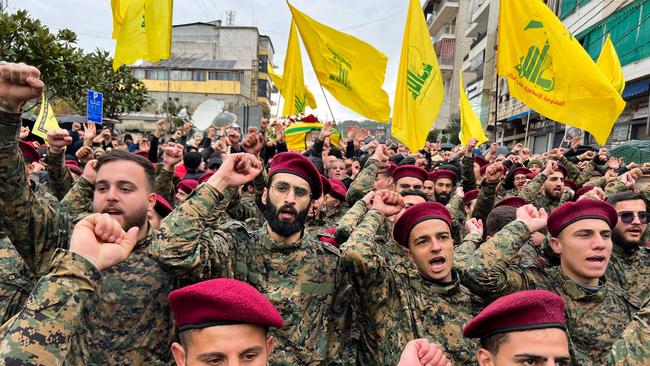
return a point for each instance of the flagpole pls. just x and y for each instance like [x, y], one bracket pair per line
[527, 129]
[277, 112]
[327, 101]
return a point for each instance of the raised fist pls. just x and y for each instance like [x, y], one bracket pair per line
[18, 84]
[420, 352]
[236, 170]
[533, 218]
[494, 172]
[474, 226]
[172, 155]
[58, 139]
[387, 202]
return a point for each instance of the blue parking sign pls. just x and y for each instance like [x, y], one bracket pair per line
[95, 105]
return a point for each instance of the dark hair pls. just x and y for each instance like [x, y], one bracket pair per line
[625, 196]
[494, 342]
[117, 155]
[413, 192]
[498, 218]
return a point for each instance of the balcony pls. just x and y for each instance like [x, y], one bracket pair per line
[478, 19]
[446, 52]
[440, 12]
[447, 31]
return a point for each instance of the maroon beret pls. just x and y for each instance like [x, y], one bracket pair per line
[204, 178]
[144, 154]
[520, 311]
[531, 176]
[562, 169]
[309, 118]
[512, 201]
[71, 162]
[221, 301]
[415, 215]
[570, 184]
[187, 185]
[391, 168]
[327, 187]
[28, 151]
[471, 195]
[481, 161]
[521, 170]
[294, 163]
[339, 190]
[409, 171]
[483, 169]
[162, 207]
[74, 168]
[582, 191]
[443, 173]
[571, 212]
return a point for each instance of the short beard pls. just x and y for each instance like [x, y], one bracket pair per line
[442, 199]
[283, 227]
[138, 219]
[627, 245]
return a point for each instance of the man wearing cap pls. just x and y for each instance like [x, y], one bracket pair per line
[395, 306]
[184, 188]
[409, 177]
[518, 181]
[444, 182]
[292, 269]
[546, 190]
[527, 327]
[223, 321]
[535, 165]
[629, 265]
[581, 235]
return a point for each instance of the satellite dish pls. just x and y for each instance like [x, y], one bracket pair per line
[206, 112]
[182, 114]
[225, 119]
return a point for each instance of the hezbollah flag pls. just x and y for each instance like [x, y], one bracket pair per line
[45, 121]
[299, 135]
[349, 68]
[144, 30]
[610, 65]
[277, 80]
[470, 125]
[419, 90]
[548, 70]
[293, 87]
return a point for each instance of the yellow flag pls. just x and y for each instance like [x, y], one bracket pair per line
[145, 31]
[277, 80]
[119, 11]
[350, 69]
[419, 91]
[611, 66]
[293, 87]
[45, 121]
[470, 124]
[548, 70]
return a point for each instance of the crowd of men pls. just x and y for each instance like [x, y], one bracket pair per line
[227, 249]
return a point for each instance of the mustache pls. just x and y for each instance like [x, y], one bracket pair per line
[293, 210]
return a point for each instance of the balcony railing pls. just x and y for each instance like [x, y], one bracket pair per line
[445, 60]
[446, 29]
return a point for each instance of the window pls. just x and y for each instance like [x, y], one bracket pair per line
[139, 74]
[175, 75]
[198, 76]
[161, 74]
[264, 63]
[263, 89]
[186, 75]
[150, 75]
[225, 75]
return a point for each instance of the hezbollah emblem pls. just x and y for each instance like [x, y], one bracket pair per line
[536, 65]
[419, 74]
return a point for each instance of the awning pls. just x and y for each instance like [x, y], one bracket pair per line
[520, 115]
[636, 88]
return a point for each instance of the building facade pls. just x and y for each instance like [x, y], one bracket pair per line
[211, 61]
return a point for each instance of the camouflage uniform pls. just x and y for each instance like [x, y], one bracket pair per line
[130, 323]
[532, 194]
[298, 278]
[397, 308]
[42, 332]
[506, 193]
[592, 328]
[164, 184]
[456, 207]
[484, 200]
[578, 176]
[632, 348]
[59, 178]
[630, 270]
[468, 180]
[15, 279]
[363, 184]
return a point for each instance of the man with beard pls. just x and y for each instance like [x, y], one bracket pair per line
[115, 323]
[545, 191]
[629, 266]
[292, 269]
[444, 182]
[409, 177]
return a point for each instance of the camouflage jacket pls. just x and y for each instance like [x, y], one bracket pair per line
[456, 207]
[592, 330]
[397, 308]
[130, 323]
[631, 348]
[631, 271]
[42, 331]
[532, 194]
[16, 281]
[60, 179]
[298, 278]
[484, 201]
[363, 183]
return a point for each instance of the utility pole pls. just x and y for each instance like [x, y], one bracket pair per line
[230, 17]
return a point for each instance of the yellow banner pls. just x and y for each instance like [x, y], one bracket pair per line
[548, 70]
[46, 120]
[470, 124]
[611, 66]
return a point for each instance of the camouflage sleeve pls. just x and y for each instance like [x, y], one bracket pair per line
[239, 209]
[616, 187]
[645, 192]
[467, 173]
[531, 190]
[15, 284]
[465, 250]
[359, 255]
[571, 168]
[165, 185]
[258, 185]
[349, 221]
[185, 245]
[596, 182]
[79, 199]
[632, 348]
[489, 272]
[456, 207]
[485, 201]
[363, 183]
[31, 224]
[60, 179]
[40, 333]
[585, 174]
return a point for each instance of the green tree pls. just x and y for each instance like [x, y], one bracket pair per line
[453, 129]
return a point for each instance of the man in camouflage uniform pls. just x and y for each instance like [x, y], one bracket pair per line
[629, 266]
[293, 270]
[395, 307]
[17, 281]
[545, 191]
[580, 232]
[41, 333]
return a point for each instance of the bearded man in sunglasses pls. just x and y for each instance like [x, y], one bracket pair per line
[629, 265]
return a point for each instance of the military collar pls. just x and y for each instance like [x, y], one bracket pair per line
[270, 244]
[425, 285]
[147, 239]
[577, 292]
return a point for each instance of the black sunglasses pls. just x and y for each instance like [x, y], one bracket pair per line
[628, 216]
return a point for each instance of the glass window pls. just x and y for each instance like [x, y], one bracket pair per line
[212, 75]
[264, 63]
[175, 75]
[263, 89]
[186, 75]
[161, 74]
[139, 74]
[198, 76]
[150, 75]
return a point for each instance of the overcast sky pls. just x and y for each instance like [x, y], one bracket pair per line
[378, 22]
